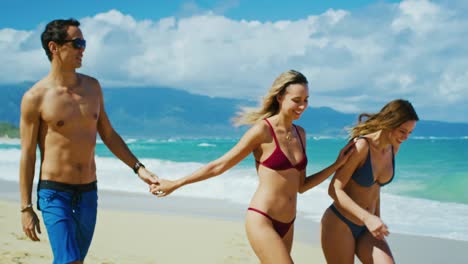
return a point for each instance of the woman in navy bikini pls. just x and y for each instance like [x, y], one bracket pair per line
[352, 224]
[279, 150]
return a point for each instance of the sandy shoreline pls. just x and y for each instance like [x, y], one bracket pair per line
[139, 237]
[136, 228]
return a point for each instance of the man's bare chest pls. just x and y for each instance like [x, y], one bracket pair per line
[71, 110]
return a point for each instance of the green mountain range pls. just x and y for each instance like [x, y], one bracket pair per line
[8, 130]
[164, 112]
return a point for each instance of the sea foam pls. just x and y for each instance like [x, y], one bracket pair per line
[401, 213]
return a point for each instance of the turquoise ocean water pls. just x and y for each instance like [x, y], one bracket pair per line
[429, 195]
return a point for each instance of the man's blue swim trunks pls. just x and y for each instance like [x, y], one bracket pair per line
[69, 212]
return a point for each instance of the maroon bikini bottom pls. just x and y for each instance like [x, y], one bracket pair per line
[280, 227]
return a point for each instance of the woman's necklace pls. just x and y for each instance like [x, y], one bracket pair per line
[288, 135]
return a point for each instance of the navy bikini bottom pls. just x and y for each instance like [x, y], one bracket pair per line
[357, 230]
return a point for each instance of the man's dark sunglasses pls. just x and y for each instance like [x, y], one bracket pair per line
[77, 43]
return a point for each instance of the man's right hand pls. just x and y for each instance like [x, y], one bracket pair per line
[30, 223]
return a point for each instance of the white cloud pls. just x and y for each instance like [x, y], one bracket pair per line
[355, 61]
[454, 84]
[20, 61]
[421, 16]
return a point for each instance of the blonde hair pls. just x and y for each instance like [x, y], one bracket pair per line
[269, 105]
[391, 116]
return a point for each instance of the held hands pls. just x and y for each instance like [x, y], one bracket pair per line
[163, 187]
[376, 227]
[30, 223]
[147, 176]
[345, 153]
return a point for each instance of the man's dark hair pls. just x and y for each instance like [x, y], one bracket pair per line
[56, 31]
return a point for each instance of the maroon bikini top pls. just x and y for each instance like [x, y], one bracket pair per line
[278, 160]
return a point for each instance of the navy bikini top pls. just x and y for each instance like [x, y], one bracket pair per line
[364, 175]
[278, 160]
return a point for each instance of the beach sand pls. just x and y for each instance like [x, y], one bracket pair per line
[139, 237]
[137, 228]
[133, 228]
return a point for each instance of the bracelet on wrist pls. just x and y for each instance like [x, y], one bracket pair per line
[137, 166]
[27, 207]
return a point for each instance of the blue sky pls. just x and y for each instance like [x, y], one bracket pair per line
[263, 10]
[357, 54]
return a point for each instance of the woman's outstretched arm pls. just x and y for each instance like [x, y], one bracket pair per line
[248, 143]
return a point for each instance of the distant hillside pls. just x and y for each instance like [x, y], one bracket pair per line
[163, 112]
[10, 101]
[8, 130]
[167, 112]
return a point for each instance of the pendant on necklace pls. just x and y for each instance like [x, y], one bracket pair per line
[288, 136]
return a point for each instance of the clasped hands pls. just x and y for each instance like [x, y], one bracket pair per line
[162, 187]
[157, 186]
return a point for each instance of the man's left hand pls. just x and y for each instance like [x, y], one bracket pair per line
[147, 176]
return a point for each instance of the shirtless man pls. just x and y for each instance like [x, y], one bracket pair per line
[62, 114]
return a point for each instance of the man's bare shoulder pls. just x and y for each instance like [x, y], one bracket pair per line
[89, 80]
[35, 94]
[31, 103]
[90, 83]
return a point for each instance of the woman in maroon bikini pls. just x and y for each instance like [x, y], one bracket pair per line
[279, 150]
